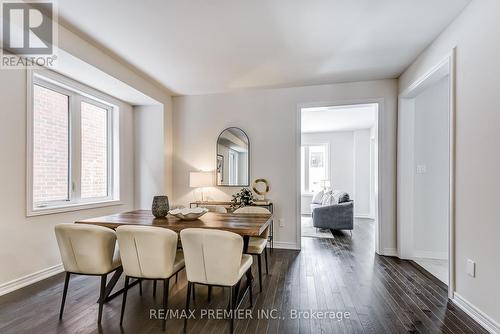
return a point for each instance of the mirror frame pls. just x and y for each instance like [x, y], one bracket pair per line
[216, 152]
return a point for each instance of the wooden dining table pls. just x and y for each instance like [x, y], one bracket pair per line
[245, 224]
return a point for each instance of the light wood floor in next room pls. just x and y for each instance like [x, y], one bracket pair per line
[381, 295]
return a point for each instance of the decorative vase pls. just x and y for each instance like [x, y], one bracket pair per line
[160, 206]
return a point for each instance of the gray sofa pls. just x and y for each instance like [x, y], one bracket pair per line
[335, 211]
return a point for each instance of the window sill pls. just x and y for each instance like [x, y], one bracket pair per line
[71, 207]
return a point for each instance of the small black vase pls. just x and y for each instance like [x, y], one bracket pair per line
[160, 206]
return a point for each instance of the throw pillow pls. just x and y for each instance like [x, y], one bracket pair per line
[327, 199]
[335, 197]
[344, 197]
[318, 197]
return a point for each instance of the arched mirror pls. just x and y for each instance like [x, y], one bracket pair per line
[233, 158]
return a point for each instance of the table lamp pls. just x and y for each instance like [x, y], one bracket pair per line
[201, 180]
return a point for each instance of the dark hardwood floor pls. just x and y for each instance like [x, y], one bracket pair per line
[380, 294]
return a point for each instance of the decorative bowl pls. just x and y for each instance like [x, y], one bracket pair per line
[188, 214]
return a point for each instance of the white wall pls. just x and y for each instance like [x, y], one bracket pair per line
[349, 161]
[430, 226]
[475, 33]
[28, 245]
[88, 52]
[362, 174]
[340, 157]
[270, 118]
[340, 161]
[149, 160]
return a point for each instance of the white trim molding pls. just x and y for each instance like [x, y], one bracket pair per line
[364, 216]
[379, 162]
[406, 163]
[29, 279]
[389, 252]
[484, 320]
[285, 245]
[421, 254]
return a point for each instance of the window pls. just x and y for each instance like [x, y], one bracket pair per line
[314, 167]
[71, 159]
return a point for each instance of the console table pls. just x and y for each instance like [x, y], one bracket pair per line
[265, 204]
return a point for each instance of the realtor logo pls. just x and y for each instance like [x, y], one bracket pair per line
[28, 34]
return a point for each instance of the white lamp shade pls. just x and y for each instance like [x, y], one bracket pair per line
[200, 179]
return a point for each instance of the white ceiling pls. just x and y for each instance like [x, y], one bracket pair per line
[199, 47]
[339, 118]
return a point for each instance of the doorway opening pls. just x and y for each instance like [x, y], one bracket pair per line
[425, 172]
[338, 169]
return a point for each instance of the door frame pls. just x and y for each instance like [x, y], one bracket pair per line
[378, 164]
[406, 165]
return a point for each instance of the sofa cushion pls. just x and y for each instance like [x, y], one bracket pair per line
[318, 197]
[314, 206]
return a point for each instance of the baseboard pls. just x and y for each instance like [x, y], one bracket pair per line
[364, 216]
[389, 252]
[430, 255]
[484, 320]
[30, 279]
[285, 245]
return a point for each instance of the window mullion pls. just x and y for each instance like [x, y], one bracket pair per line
[76, 130]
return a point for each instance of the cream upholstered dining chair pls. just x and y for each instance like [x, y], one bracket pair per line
[257, 245]
[215, 208]
[215, 258]
[149, 252]
[87, 250]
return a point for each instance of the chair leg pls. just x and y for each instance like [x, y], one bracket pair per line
[140, 287]
[188, 298]
[176, 274]
[265, 256]
[65, 291]
[127, 279]
[101, 297]
[194, 292]
[237, 291]
[209, 293]
[259, 260]
[231, 310]
[154, 288]
[249, 285]
[165, 300]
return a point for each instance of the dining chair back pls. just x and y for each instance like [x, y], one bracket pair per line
[257, 245]
[255, 209]
[212, 256]
[215, 208]
[88, 250]
[148, 252]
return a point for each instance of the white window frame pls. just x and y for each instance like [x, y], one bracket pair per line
[305, 166]
[77, 94]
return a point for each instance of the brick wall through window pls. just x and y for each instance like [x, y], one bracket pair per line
[94, 151]
[50, 145]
